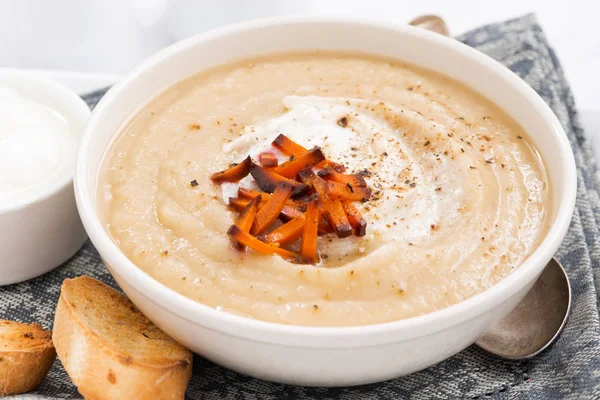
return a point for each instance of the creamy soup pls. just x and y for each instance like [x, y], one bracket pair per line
[459, 199]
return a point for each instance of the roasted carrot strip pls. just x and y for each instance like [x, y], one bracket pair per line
[287, 232]
[292, 208]
[324, 225]
[268, 160]
[345, 191]
[290, 148]
[235, 173]
[248, 240]
[239, 204]
[356, 219]
[328, 164]
[332, 175]
[308, 246]
[288, 212]
[337, 218]
[287, 146]
[308, 159]
[250, 194]
[246, 218]
[333, 207]
[270, 212]
[268, 180]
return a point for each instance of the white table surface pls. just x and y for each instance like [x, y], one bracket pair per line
[88, 44]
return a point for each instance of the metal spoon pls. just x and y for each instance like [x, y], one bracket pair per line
[432, 23]
[536, 322]
[540, 317]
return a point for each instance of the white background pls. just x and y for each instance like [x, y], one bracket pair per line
[111, 36]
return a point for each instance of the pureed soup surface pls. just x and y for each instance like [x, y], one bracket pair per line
[460, 196]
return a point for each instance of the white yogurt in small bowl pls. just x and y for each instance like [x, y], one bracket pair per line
[40, 126]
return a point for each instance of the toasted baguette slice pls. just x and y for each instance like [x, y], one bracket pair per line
[26, 355]
[111, 350]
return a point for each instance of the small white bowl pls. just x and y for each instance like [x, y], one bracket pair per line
[314, 355]
[39, 235]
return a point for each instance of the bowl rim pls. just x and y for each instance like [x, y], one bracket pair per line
[271, 332]
[80, 110]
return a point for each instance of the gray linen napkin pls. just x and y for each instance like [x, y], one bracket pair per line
[570, 369]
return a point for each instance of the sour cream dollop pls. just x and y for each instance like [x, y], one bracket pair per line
[37, 148]
[406, 202]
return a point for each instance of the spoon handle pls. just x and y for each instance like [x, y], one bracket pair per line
[432, 23]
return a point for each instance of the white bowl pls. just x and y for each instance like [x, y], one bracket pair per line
[315, 355]
[39, 235]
